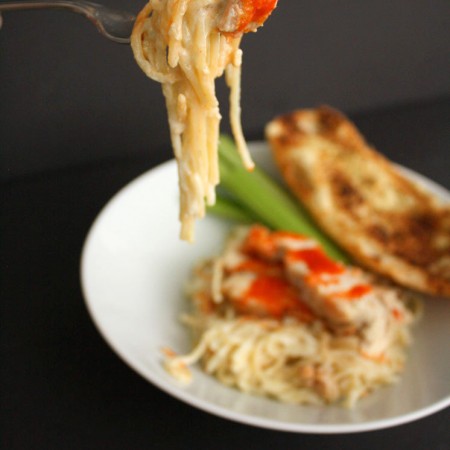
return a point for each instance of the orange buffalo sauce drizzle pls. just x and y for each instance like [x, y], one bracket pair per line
[277, 297]
[397, 314]
[356, 292]
[317, 261]
[320, 264]
[259, 242]
[270, 293]
[254, 12]
[264, 243]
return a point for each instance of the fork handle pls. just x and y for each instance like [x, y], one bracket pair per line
[17, 6]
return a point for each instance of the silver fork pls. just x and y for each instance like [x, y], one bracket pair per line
[113, 24]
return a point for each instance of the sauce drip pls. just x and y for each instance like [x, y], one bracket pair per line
[276, 297]
[356, 292]
[317, 261]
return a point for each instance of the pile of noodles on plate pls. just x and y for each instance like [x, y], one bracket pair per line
[274, 316]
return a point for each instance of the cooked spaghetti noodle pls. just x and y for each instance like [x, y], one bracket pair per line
[288, 350]
[179, 44]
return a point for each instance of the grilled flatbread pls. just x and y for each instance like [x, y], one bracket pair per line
[382, 219]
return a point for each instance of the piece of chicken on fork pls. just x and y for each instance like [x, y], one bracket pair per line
[243, 16]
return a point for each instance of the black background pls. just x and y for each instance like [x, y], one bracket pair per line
[78, 120]
[69, 96]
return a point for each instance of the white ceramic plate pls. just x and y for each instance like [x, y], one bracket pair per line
[133, 269]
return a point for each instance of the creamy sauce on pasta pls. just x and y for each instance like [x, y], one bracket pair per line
[185, 45]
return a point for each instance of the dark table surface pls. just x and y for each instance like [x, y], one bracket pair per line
[62, 386]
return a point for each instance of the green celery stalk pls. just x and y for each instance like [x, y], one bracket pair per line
[267, 201]
[224, 207]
